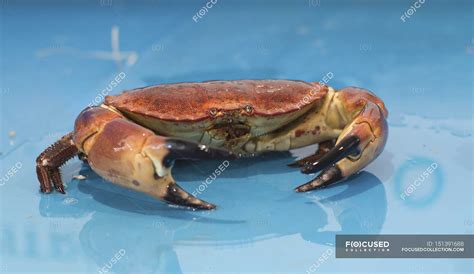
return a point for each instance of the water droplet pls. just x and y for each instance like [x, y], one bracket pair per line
[70, 201]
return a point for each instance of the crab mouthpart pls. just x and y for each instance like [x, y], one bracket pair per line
[229, 131]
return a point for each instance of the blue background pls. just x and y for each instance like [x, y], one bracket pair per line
[56, 57]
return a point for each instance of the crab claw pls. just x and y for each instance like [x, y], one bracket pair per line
[361, 141]
[136, 158]
[163, 157]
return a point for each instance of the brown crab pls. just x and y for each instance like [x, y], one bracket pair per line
[133, 139]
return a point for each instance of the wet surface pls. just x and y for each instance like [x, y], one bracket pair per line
[57, 59]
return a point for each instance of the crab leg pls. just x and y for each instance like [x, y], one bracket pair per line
[134, 157]
[49, 161]
[361, 141]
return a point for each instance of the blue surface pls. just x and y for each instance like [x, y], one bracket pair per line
[56, 57]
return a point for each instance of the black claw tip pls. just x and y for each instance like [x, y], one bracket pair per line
[177, 196]
[323, 148]
[298, 163]
[327, 177]
[344, 148]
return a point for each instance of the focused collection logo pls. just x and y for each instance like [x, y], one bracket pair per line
[405, 246]
[367, 246]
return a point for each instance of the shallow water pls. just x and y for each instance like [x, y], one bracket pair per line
[56, 59]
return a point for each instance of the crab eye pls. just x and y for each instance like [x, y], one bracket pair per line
[248, 108]
[213, 112]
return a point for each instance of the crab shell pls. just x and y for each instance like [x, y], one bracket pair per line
[218, 113]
